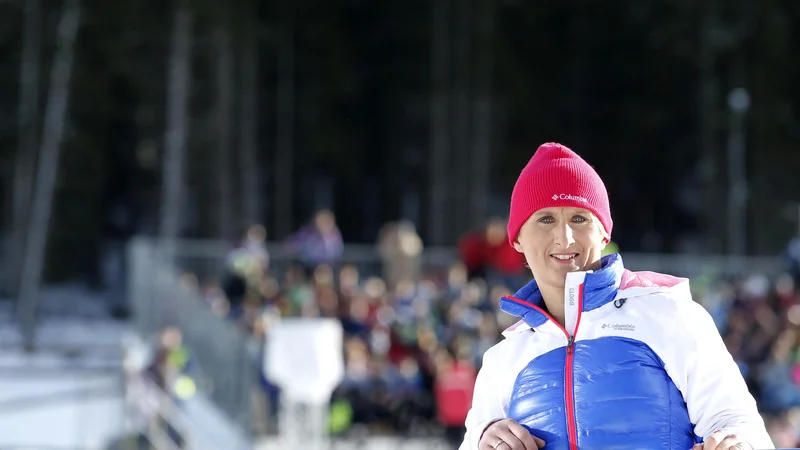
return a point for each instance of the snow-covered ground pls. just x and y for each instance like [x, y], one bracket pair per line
[74, 331]
[69, 393]
[60, 410]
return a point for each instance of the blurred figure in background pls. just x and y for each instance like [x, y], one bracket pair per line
[317, 243]
[174, 371]
[778, 377]
[245, 268]
[255, 242]
[174, 368]
[455, 381]
[400, 249]
[487, 255]
[793, 256]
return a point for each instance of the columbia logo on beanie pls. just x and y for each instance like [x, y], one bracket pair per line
[557, 176]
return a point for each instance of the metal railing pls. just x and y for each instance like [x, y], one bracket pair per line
[691, 266]
[153, 413]
[6, 283]
[159, 298]
[206, 259]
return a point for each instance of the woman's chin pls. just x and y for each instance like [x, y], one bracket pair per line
[560, 267]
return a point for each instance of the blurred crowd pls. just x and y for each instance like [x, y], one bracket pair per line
[414, 337]
[759, 320]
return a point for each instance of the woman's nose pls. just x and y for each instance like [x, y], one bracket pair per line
[564, 236]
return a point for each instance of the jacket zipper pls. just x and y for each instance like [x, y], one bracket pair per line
[569, 379]
[569, 394]
[569, 376]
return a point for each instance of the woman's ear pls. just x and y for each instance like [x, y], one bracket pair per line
[517, 246]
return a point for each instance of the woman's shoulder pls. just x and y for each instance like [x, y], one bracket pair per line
[646, 284]
[650, 281]
[661, 295]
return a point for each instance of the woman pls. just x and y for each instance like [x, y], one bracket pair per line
[602, 357]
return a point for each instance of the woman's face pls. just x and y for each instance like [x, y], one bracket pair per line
[556, 241]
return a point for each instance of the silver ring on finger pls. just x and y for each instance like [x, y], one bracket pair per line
[498, 444]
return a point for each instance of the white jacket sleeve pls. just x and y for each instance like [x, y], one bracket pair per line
[487, 402]
[715, 392]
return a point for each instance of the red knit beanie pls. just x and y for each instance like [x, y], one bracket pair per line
[557, 176]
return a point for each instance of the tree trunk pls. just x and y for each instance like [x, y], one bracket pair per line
[177, 123]
[27, 139]
[224, 133]
[248, 118]
[53, 132]
[738, 105]
[285, 99]
[707, 117]
[579, 75]
[482, 113]
[439, 124]
[461, 154]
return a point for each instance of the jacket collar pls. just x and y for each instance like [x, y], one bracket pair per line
[597, 288]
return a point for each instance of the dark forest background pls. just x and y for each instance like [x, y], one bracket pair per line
[425, 110]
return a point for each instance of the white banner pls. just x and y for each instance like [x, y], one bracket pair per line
[304, 357]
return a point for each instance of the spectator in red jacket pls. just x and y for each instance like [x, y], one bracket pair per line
[455, 381]
[487, 255]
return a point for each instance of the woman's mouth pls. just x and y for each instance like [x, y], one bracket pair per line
[564, 258]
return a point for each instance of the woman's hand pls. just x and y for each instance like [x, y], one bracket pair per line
[723, 441]
[507, 434]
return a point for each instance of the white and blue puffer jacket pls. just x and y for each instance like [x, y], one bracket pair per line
[639, 365]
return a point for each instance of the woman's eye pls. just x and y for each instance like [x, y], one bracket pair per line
[579, 219]
[546, 219]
